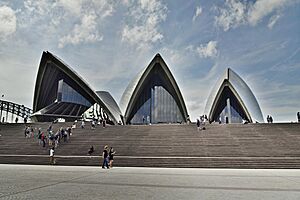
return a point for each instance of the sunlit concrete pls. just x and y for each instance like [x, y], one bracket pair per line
[65, 182]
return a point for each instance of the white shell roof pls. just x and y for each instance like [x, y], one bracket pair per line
[79, 80]
[242, 89]
[128, 93]
[110, 103]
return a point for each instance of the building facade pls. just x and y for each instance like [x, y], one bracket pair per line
[153, 96]
[61, 93]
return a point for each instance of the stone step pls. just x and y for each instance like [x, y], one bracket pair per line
[234, 140]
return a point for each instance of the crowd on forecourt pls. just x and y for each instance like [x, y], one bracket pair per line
[54, 139]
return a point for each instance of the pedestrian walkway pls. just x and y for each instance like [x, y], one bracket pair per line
[69, 182]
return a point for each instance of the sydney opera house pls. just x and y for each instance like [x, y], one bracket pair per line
[153, 96]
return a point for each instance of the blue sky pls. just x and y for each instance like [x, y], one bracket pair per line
[109, 42]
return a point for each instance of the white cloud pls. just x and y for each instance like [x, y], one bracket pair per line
[91, 14]
[8, 23]
[40, 7]
[80, 20]
[208, 50]
[146, 16]
[262, 8]
[273, 21]
[84, 32]
[197, 13]
[74, 7]
[231, 16]
[237, 12]
[103, 8]
[34, 11]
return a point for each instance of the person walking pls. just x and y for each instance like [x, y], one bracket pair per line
[271, 119]
[93, 124]
[298, 116]
[111, 154]
[43, 139]
[52, 156]
[104, 123]
[198, 124]
[105, 157]
[268, 119]
[82, 124]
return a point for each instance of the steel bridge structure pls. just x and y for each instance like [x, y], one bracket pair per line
[15, 109]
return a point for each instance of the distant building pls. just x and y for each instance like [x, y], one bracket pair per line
[153, 96]
[232, 101]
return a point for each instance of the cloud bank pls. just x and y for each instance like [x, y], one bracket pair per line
[208, 50]
[144, 19]
[8, 22]
[236, 12]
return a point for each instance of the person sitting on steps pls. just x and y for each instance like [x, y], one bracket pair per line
[91, 150]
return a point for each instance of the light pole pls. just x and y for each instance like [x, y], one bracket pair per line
[1, 108]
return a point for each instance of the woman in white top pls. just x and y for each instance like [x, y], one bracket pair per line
[52, 156]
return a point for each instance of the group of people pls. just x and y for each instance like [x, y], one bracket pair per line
[201, 122]
[93, 123]
[269, 119]
[52, 139]
[29, 132]
[108, 157]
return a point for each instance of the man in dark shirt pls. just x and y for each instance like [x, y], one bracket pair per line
[105, 157]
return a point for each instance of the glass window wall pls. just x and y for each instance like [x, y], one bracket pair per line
[67, 94]
[229, 109]
[159, 108]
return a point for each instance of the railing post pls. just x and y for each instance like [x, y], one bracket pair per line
[13, 112]
[7, 109]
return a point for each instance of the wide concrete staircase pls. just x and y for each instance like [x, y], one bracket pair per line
[219, 146]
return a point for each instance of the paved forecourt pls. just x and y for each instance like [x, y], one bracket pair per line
[65, 182]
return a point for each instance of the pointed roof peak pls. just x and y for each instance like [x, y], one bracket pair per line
[228, 71]
[158, 55]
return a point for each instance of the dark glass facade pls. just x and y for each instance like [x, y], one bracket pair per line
[156, 102]
[164, 107]
[229, 110]
[66, 93]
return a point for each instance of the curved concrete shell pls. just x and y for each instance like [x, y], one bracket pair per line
[111, 104]
[233, 94]
[147, 90]
[61, 93]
